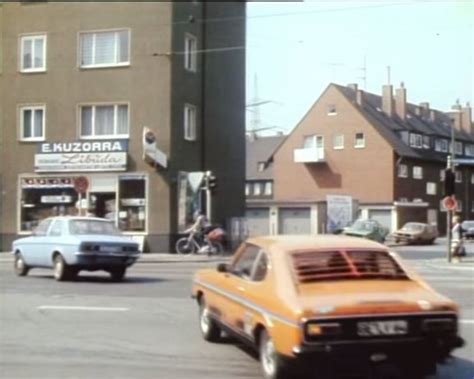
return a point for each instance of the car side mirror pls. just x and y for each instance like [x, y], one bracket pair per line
[222, 267]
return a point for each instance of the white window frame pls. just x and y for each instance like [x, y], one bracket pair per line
[33, 37]
[417, 172]
[339, 146]
[268, 188]
[416, 140]
[103, 65]
[458, 176]
[402, 171]
[458, 148]
[426, 142]
[441, 145]
[102, 136]
[430, 188]
[248, 189]
[257, 189]
[189, 123]
[331, 110]
[33, 108]
[190, 52]
[359, 145]
[469, 150]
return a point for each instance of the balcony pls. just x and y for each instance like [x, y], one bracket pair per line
[308, 155]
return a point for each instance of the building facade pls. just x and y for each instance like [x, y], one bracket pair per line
[90, 89]
[382, 153]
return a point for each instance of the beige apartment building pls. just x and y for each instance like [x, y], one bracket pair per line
[88, 90]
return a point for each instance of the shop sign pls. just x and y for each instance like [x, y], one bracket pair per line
[56, 199]
[104, 155]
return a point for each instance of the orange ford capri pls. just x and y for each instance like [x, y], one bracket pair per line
[321, 304]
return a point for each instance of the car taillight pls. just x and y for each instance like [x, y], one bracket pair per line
[315, 329]
[439, 325]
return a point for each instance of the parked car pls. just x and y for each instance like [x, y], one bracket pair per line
[370, 229]
[468, 229]
[72, 244]
[305, 302]
[416, 233]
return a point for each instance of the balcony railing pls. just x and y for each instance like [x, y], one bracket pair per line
[308, 155]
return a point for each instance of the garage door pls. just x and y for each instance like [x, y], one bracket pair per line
[294, 221]
[383, 216]
[258, 221]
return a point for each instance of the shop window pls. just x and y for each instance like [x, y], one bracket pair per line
[132, 203]
[43, 197]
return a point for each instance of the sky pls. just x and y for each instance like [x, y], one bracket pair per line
[295, 49]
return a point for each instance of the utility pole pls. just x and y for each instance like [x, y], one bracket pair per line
[207, 188]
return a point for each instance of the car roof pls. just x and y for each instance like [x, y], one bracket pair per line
[288, 243]
[74, 218]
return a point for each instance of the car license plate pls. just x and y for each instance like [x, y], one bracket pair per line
[382, 328]
[109, 249]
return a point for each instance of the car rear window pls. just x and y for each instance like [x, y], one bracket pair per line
[92, 227]
[313, 266]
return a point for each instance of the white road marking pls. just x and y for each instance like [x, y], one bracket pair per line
[81, 308]
[466, 321]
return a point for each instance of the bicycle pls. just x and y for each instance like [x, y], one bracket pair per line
[200, 244]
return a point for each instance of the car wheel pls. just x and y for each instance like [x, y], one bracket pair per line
[117, 274]
[21, 269]
[209, 329]
[61, 270]
[270, 361]
[184, 246]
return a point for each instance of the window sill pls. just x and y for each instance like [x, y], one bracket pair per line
[108, 136]
[98, 66]
[42, 139]
[338, 148]
[359, 147]
[33, 71]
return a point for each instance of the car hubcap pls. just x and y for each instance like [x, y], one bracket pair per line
[20, 264]
[205, 320]
[58, 268]
[268, 357]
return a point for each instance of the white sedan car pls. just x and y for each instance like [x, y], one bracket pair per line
[71, 244]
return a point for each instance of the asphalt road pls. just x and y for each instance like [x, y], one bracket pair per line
[146, 327]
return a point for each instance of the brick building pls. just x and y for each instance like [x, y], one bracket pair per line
[81, 85]
[386, 154]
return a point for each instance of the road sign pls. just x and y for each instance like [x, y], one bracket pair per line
[450, 203]
[81, 184]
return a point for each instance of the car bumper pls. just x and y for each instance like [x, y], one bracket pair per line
[381, 349]
[104, 259]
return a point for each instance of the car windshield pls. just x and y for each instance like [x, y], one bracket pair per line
[413, 226]
[92, 227]
[363, 225]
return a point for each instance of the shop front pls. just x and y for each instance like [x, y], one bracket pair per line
[111, 191]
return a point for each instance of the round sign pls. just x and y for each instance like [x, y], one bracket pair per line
[449, 202]
[81, 184]
[150, 137]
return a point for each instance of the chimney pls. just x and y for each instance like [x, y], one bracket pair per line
[387, 99]
[401, 101]
[425, 109]
[432, 115]
[456, 114]
[352, 86]
[360, 97]
[417, 110]
[466, 118]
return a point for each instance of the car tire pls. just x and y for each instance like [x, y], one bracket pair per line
[118, 274]
[209, 329]
[19, 265]
[271, 362]
[183, 246]
[62, 271]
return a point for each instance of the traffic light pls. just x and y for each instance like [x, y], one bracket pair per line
[212, 182]
[449, 182]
